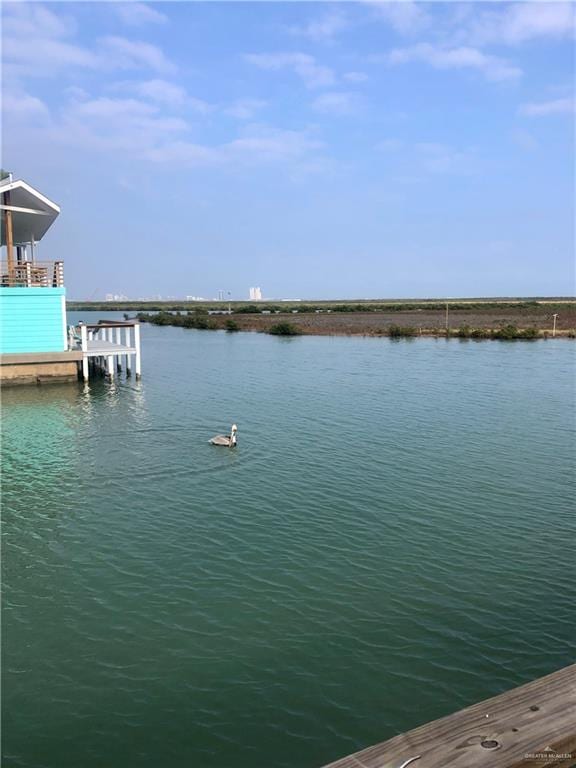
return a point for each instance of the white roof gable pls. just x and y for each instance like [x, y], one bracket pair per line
[32, 212]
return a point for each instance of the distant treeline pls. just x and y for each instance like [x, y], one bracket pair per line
[202, 322]
[243, 308]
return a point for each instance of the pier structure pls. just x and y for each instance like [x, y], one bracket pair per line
[107, 345]
[533, 726]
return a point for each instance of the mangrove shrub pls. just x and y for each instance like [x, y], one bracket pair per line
[283, 329]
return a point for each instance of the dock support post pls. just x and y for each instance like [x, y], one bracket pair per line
[137, 346]
[119, 343]
[110, 370]
[84, 345]
[127, 343]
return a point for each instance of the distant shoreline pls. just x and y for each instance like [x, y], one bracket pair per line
[312, 305]
[474, 319]
[506, 323]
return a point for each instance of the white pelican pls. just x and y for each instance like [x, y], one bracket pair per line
[228, 440]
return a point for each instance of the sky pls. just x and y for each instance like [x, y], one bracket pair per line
[318, 150]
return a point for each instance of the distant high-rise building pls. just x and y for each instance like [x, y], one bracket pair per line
[115, 297]
[255, 294]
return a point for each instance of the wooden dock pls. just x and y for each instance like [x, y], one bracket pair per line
[533, 726]
[107, 346]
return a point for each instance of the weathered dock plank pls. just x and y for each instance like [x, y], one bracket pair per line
[533, 725]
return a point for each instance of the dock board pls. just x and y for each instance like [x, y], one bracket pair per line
[530, 726]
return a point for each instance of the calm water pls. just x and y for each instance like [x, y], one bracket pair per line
[392, 540]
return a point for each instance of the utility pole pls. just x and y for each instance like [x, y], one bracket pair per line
[554, 326]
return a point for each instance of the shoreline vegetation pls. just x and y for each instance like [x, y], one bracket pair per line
[504, 319]
[191, 320]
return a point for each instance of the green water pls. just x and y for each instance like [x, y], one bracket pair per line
[392, 540]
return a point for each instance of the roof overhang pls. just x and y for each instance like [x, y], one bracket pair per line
[32, 213]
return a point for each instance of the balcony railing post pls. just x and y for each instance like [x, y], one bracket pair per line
[33, 274]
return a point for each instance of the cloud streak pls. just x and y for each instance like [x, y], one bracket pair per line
[492, 67]
[405, 17]
[430, 157]
[521, 22]
[165, 93]
[545, 108]
[312, 74]
[245, 109]
[336, 103]
[323, 29]
[39, 43]
[137, 14]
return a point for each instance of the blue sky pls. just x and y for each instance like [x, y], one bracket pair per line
[366, 149]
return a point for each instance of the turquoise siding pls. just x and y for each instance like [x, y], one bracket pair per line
[32, 320]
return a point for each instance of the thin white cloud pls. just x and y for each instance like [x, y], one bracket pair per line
[336, 103]
[525, 140]
[430, 157]
[257, 145]
[323, 29]
[41, 43]
[184, 153]
[492, 67]
[163, 92]
[32, 20]
[140, 128]
[23, 105]
[313, 75]
[136, 14]
[520, 22]
[245, 109]
[36, 42]
[262, 143]
[441, 158]
[545, 108]
[389, 145]
[76, 93]
[121, 53]
[356, 77]
[404, 16]
[127, 125]
[45, 57]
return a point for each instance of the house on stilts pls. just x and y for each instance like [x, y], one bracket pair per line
[36, 343]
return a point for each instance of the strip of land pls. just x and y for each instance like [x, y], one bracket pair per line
[466, 318]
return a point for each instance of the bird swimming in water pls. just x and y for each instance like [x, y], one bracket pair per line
[227, 440]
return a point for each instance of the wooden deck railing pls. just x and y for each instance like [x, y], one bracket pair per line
[533, 726]
[28, 274]
[107, 341]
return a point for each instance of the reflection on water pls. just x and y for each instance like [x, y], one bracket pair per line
[388, 543]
